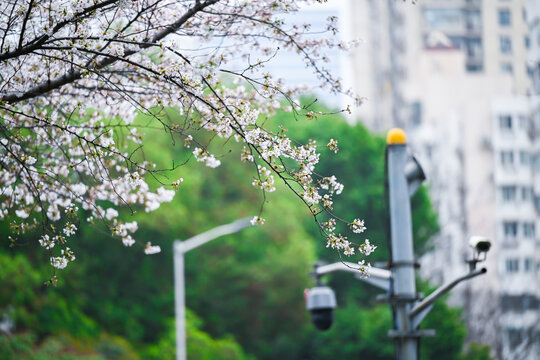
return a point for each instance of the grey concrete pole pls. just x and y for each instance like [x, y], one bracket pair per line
[402, 257]
[179, 300]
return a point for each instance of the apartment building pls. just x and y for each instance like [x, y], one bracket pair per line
[457, 75]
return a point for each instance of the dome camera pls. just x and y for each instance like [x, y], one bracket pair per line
[321, 302]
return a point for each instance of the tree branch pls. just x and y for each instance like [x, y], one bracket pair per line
[73, 75]
[37, 42]
[23, 28]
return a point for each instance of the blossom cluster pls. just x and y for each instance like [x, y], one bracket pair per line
[203, 156]
[59, 157]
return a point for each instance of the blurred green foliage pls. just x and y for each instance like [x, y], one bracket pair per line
[476, 352]
[246, 289]
[199, 344]
[24, 347]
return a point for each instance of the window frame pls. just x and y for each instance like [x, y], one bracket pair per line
[504, 17]
[505, 45]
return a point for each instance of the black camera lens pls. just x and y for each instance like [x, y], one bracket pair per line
[322, 318]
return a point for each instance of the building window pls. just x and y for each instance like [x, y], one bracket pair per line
[515, 337]
[524, 158]
[474, 20]
[507, 158]
[527, 193]
[505, 122]
[527, 42]
[504, 17]
[507, 68]
[528, 265]
[535, 162]
[528, 230]
[508, 193]
[529, 70]
[458, 41]
[512, 265]
[510, 229]
[416, 114]
[522, 302]
[474, 67]
[505, 45]
[444, 18]
[474, 47]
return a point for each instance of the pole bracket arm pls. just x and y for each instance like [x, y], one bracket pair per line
[411, 333]
[380, 278]
[422, 308]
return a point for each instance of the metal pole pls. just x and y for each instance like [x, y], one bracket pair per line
[377, 277]
[179, 300]
[179, 249]
[402, 258]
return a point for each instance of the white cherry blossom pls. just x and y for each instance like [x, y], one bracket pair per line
[75, 74]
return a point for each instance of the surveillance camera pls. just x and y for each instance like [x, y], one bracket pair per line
[321, 302]
[480, 243]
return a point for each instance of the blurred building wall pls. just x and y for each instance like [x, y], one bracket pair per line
[458, 76]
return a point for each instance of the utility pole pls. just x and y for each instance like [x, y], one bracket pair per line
[401, 262]
[179, 249]
[404, 175]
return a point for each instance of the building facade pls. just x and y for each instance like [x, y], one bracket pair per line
[463, 78]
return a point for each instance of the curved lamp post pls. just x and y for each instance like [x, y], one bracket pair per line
[179, 249]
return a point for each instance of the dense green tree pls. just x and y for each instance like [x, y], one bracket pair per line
[65, 333]
[31, 305]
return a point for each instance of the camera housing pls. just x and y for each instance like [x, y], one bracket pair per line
[480, 244]
[321, 302]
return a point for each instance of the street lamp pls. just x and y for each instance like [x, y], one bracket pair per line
[179, 249]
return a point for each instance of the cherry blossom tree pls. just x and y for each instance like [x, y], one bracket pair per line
[74, 74]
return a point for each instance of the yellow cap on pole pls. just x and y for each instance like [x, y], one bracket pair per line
[396, 136]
